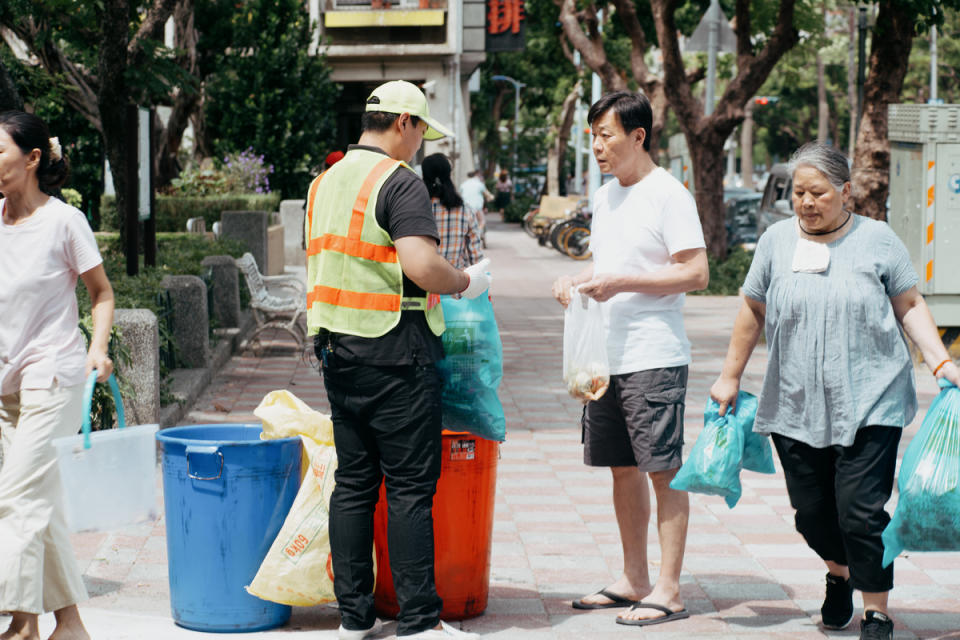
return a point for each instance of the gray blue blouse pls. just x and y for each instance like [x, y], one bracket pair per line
[838, 360]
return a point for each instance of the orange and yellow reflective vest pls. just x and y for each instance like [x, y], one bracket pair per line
[354, 280]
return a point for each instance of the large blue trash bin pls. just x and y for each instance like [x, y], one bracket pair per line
[226, 494]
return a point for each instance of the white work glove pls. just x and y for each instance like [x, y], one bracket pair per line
[479, 279]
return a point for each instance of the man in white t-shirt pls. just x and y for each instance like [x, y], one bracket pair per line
[648, 250]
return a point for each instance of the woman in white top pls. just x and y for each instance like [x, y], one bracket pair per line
[45, 245]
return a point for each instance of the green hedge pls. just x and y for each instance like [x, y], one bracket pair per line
[727, 277]
[177, 254]
[174, 211]
[517, 208]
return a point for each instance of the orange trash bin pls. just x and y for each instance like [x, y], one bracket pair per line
[462, 529]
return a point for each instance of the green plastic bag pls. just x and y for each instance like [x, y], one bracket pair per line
[927, 517]
[472, 368]
[757, 452]
[714, 464]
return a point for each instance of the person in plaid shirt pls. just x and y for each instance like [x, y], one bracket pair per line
[458, 227]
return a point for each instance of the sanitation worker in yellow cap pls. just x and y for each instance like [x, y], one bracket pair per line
[374, 278]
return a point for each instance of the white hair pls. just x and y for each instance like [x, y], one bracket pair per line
[825, 159]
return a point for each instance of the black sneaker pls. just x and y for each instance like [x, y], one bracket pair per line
[837, 609]
[876, 626]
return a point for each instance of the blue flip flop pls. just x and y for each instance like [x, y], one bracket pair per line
[669, 615]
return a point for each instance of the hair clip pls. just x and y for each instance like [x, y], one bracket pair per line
[56, 153]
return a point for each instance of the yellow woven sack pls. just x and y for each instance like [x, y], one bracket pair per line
[297, 569]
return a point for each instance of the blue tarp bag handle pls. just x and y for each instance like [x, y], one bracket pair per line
[88, 404]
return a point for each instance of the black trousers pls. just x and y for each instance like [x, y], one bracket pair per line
[838, 493]
[387, 424]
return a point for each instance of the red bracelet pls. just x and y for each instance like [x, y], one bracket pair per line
[940, 365]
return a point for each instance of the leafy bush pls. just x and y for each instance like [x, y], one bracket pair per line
[246, 172]
[103, 409]
[727, 277]
[177, 254]
[173, 211]
[205, 179]
[243, 172]
[518, 207]
[72, 197]
[265, 89]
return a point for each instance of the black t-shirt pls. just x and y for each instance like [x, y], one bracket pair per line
[403, 209]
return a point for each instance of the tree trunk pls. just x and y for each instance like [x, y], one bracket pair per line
[113, 96]
[823, 109]
[561, 136]
[10, 99]
[706, 155]
[186, 99]
[746, 145]
[493, 135]
[852, 82]
[705, 135]
[889, 52]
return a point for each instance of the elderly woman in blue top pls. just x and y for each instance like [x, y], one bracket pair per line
[832, 290]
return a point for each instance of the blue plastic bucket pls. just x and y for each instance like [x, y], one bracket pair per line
[226, 494]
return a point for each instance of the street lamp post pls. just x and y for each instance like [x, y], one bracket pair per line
[516, 113]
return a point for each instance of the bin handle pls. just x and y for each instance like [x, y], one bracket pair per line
[204, 451]
[88, 404]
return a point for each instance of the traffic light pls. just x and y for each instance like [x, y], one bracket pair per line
[765, 100]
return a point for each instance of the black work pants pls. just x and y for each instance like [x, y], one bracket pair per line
[838, 493]
[386, 424]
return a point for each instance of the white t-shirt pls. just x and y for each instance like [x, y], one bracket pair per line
[40, 260]
[637, 229]
[472, 191]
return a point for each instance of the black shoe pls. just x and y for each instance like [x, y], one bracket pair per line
[837, 609]
[876, 626]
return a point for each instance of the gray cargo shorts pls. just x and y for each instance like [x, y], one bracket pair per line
[638, 421]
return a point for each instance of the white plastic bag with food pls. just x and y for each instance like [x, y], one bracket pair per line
[297, 569]
[586, 370]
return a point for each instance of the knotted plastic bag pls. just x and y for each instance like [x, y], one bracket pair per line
[713, 466]
[927, 517]
[586, 370]
[297, 569]
[472, 368]
[757, 452]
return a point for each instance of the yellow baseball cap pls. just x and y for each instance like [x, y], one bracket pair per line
[399, 96]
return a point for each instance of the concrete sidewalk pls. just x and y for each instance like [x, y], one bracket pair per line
[747, 573]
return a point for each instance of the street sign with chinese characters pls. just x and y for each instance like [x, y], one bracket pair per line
[505, 20]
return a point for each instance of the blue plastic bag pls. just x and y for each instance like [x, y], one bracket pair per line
[472, 368]
[713, 466]
[927, 517]
[757, 452]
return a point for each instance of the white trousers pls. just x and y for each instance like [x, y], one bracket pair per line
[38, 571]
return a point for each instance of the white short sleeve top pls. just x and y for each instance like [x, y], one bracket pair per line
[638, 229]
[40, 261]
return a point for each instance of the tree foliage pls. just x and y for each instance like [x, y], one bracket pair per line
[895, 25]
[263, 88]
[764, 30]
[549, 77]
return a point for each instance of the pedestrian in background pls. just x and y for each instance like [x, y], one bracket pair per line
[457, 225]
[504, 189]
[373, 273]
[648, 250]
[45, 245]
[475, 197]
[832, 290]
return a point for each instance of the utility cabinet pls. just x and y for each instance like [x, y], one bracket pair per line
[925, 199]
